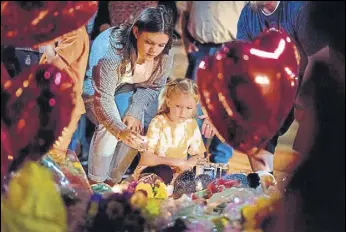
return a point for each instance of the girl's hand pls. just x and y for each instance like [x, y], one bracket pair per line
[133, 124]
[194, 160]
[185, 165]
[197, 159]
[132, 139]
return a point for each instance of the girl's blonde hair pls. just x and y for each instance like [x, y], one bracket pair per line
[185, 86]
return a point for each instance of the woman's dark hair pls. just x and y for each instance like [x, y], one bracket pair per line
[153, 19]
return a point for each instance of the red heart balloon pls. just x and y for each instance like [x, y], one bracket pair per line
[35, 108]
[251, 89]
[29, 23]
[209, 97]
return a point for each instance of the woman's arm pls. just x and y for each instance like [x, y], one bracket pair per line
[105, 82]
[144, 96]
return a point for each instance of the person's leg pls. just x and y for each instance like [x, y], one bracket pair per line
[101, 151]
[75, 139]
[102, 155]
[220, 152]
[132, 158]
[124, 155]
[83, 138]
[150, 113]
[191, 65]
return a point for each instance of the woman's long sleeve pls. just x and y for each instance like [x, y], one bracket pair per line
[105, 83]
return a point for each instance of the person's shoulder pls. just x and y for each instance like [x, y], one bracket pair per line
[247, 8]
[247, 13]
[294, 7]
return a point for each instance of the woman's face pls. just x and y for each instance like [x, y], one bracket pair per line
[150, 44]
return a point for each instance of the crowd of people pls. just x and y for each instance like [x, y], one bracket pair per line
[127, 104]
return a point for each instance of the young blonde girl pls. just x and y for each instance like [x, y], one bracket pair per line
[173, 134]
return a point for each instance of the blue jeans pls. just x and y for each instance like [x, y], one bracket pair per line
[220, 152]
[80, 136]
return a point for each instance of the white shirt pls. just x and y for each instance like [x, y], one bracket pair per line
[213, 21]
[141, 74]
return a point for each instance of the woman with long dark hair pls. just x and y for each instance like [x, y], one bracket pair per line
[128, 67]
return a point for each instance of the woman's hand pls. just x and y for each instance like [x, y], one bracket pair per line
[132, 139]
[208, 130]
[133, 124]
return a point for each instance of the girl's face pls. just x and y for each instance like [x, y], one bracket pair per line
[181, 107]
[150, 44]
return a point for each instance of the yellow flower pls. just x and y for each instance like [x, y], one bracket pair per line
[254, 215]
[220, 223]
[249, 212]
[138, 199]
[161, 191]
[153, 207]
[146, 188]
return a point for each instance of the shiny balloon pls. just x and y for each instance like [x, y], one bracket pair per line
[248, 89]
[35, 108]
[29, 23]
